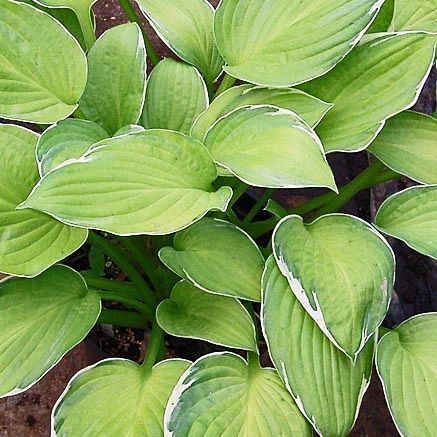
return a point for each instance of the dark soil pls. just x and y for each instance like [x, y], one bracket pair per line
[28, 414]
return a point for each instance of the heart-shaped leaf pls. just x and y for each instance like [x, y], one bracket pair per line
[415, 15]
[30, 241]
[274, 43]
[411, 216]
[114, 94]
[221, 395]
[116, 397]
[406, 361]
[153, 182]
[217, 257]
[309, 108]
[176, 95]
[42, 73]
[65, 140]
[408, 145]
[271, 147]
[385, 75]
[342, 272]
[41, 319]
[193, 313]
[327, 387]
[186, 26]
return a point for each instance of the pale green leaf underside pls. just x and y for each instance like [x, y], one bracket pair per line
[379, 79]
[309, 108]
[186, 26]
[42, 74]
[191, 312]
[116, 398]
[67, 139]
[411, 216]
[415, 15]
[218, 257]
[176, 94]
[342, 272]
[152, 182]
[219, 395]
[407, 365]
[41, 319]
[30, 241]
[408, 145]
[114, 94]
[268, 146]
[283, 43]
[327, 387]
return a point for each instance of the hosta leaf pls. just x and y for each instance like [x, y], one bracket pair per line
[116, 398]
[408, 145]
[384, 18]
[411, 216]
[274, 42]
[406, 360]
[114, 94]
[154, 182]
[268, 146]
[186, 26]
[221, 395]
[129, 130]
[327, 387]
[30, 241]
[41, 319]
[65, 140]
[42, 74]
[385, 75]
[415, 15]
[217, 257]
[176, 95]
[309, 108]
[192, 313]
[342, 272]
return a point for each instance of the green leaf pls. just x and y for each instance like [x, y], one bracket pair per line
[155, 182]
[415, 15]
[309, 108]
[384, 18]
[42, 73]
[114, 94]
[217, 257]
[116, 398]
[41, 319]
[67, 139]
[176, 95]
[129, 130]
[385, 75]
[186, 26]
[326, 386]
[221, 395]
[30, 241]
[269, 147]
[408, 145]
[342, 272]
[282, 43]
[406, 361]
[411, 216]
[192, 313]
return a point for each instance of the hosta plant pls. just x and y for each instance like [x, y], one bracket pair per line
[148, 170]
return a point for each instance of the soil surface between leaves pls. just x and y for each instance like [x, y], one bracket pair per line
[28, 414]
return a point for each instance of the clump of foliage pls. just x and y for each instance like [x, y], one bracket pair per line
[149, 178]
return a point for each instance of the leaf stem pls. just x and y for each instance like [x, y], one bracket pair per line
[258, 205]
[253, 362]
[227, 82]
[86, 25]
[119, 257]
[111, 285]
[133, 17]
[128, 319]
[156, 338]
